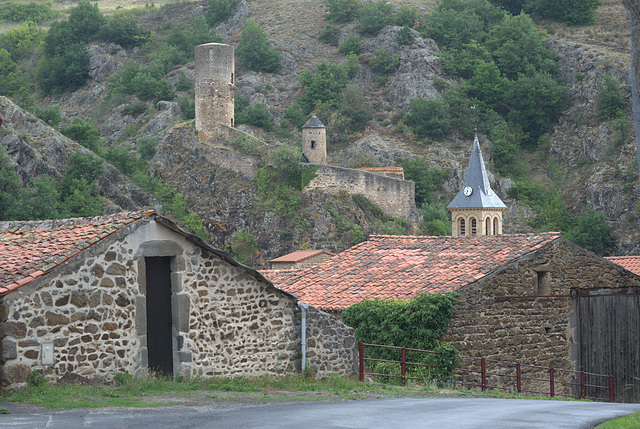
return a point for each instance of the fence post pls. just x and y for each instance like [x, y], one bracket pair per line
[611, 399]
[361, 360]
[483, 374]
[518, 378]
[403, 364]
[551, 384]
[582, 388]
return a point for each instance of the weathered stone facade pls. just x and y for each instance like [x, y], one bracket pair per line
[226, 320]
[526, 310]
[214, 85]
[394, 196]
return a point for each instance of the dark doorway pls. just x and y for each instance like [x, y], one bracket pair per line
[609, 322]
[159, 340]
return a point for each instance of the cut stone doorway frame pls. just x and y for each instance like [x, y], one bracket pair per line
[180, 302]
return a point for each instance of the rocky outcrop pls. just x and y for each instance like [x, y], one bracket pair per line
[36, 149]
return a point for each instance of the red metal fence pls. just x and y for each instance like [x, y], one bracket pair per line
[501, 375]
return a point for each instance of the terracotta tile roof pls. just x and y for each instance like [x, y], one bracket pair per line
[300, 255]
[631, 263]
[400, 267]
[29, 250]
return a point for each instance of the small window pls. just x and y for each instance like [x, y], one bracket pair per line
[313, 144]
[231, 77]
[543, 283]
[495, 226]
[462, 227]
[473, 227]
[231, 122]
[487, 226]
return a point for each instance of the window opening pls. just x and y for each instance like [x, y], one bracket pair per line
[473, 227]
[313, 144]
[462, 227]
[543, 283]
[487, 226]
[495, 226]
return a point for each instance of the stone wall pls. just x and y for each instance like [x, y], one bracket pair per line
[226, 320]
[314, 145]
[395, 197]
[524, 311]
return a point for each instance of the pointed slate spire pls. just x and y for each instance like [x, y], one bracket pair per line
[313, 122]
[476, 191]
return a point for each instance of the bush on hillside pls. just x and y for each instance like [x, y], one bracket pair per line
[384, 62]
[428, 118]
[374, 16]
[325, 85]
[123, 29]
[21, 12]
[254, 50]
[351, 45]
[219, 11]
[610, 101]
[427, 179]
[259, 116]
[343, 10]
[330, 35]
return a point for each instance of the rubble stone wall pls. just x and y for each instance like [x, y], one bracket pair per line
[226, 320]
[524, 312]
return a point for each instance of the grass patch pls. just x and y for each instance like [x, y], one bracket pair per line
[627, 422]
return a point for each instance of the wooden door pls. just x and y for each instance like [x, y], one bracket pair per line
[159, 339]
[609, 334]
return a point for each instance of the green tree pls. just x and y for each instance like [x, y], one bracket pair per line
[573, 12]
[9, 186]
[384, 62]
[85, 132]
[374, 16]
[354, 109]
[591, 231]
[66, 71]
[536, 103]
[78, 191]
[254, 50]
[351, 45]
[259, 116]
[86, 21]
[8, 71]
[428, 118]
[330, 35]
[487, 84]
[506, 140]
[123, 29]
[427, 179]
[406, 17]
[219, 11]
[436, 219]
[610, 101]
[517, 47]
[325, 85]
[21, 42]
[39, 200]
[343, 10]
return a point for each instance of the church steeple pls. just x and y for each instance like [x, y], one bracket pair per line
[476, 210]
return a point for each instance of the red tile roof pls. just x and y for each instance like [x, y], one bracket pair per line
[631, 263]
[400, 267]
[30, 249]
[300, 255]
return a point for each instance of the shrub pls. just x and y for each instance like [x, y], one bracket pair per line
[22, 41]
[186, 38]
[362, 159]
[384, 62]
[78, 191]
[427, 179]
[67, 71]
[352, 65]
[122, 159]
[243, 246]
[592, 232]
[85, 21]
[36, 379]
[436, 219]
[9, 186]
[406, 17]
[573, 12]
[183, 83]
[123, 30]
[351, 45]
[343, 10]
[259, 116]
[325, 85]
[8, 71]
[188, 107]
[427, 118]
[404, 36]
[50, 115]
[246, 144]
[354, 109]
[146, 147]
[219, 10]
[254, 51]
[135, 109]
[330, 35]
[506, 140]
[610, 101]
[375, 16]
[85, 133]
[144, 82]
[21, 12]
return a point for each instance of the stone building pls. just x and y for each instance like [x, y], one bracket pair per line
[133, 292]
[301, 259]
[314, 141]
[215, 82]
[534, 298]
[476, 209]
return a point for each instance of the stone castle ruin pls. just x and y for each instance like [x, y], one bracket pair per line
[215, 82]
[214, 71]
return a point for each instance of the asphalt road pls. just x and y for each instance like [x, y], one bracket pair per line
[459, 413]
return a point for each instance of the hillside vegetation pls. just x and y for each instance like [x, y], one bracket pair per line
[397, 83]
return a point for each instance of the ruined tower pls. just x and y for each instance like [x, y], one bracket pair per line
[314, 141]
[476, 210]
[214, 73]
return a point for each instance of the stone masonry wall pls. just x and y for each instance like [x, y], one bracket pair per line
[225, 320]
[530, 329]
[395, 197]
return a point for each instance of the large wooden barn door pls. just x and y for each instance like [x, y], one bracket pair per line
[159, 339]
[609, 339]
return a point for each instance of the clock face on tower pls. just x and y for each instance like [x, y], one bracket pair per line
[467, 191]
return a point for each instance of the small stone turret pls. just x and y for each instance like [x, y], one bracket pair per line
[214, 73]
[476, 210]
[314, 141]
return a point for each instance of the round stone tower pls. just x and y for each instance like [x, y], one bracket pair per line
[314, 141]
[214, 72]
